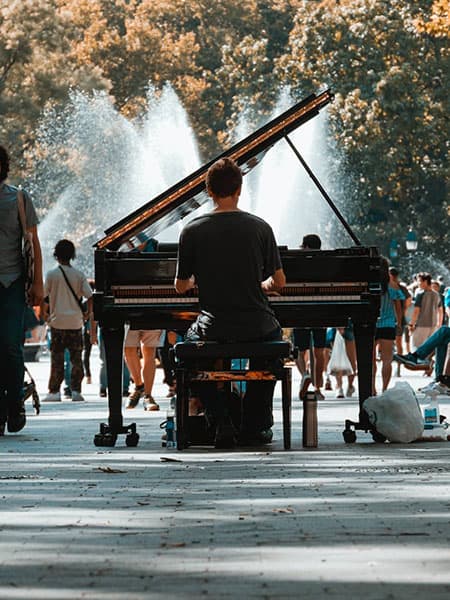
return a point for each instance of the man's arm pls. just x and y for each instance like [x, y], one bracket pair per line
[183, 285]
[440, 312]
[414, 317]
[398, 312]
[275, 282]
[92, 322]
[37, 289]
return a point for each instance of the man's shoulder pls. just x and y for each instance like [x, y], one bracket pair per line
[78, 273]
[8, 191]
[254, 218]
[52, 272]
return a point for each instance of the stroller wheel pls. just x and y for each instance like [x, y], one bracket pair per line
[36, 403]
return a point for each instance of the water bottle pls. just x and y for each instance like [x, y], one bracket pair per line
[431, 414]
[170, 430]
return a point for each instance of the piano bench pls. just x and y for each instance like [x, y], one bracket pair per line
[190, 356]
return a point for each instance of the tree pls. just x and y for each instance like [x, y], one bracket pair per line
[385, 61]
[35, 68]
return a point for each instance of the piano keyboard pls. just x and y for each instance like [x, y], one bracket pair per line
[293, 292]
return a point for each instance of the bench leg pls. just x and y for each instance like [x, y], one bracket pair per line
[286, 400]
[182, 409]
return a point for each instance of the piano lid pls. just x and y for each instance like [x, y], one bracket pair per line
[189, 194]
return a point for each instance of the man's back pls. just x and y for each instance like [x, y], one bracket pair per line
[429, 302]
[230, 254]
[65, 312]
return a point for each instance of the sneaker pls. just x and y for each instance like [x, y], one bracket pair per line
[77, 397]
[56, 397]
[350, 391]
[436, 387]
[306, 382]
[149, 403]
[318, 395]
[412, 361]
[17, 421]
[67, 393]
[328, 385]
[340, 393]
[256, 438]
[133, 399]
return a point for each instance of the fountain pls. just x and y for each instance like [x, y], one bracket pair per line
[94, 167]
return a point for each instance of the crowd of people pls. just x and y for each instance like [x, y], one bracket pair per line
[411, 328]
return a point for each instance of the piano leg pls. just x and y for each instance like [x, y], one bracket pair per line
[113, 338]
[364, 339]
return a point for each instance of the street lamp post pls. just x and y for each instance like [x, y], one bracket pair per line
[411, 240]
[412, 243]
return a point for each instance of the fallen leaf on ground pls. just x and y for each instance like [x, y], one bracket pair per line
[287, 510]
[109, 470]
[168, 459]
[174, 545]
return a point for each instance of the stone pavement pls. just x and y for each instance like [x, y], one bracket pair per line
[359, 520]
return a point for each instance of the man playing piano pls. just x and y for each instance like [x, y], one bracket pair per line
[233, 258]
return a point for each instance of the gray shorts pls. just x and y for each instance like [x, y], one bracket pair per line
[149, 338]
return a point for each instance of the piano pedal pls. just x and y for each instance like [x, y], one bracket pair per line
[108, 437]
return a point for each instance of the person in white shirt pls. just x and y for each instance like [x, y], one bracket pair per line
[64, 289]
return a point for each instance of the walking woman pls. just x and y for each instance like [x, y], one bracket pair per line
[390, 315]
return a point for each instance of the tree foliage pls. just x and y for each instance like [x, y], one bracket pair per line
[386, 61]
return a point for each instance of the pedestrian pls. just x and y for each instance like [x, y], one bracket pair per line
[420, 358]
[142, 343]
[428, 311]
[385, 329]
[306, 338]
[64, 288]
[12, 296]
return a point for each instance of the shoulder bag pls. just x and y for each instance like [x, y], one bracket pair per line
[78, 300]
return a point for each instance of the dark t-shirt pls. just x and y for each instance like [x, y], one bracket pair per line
[230, 254]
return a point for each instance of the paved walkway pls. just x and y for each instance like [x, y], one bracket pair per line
[361, 520]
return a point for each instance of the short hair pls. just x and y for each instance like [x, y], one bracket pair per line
[64, 250]
[4, 163]
[311, 242]
[424, 277]
[393, 271]
[223, 178]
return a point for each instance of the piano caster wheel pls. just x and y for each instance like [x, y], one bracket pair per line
[132, 439]
[377, 437]
[105, 439]
[349, 436]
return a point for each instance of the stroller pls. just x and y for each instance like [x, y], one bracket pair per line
[29, 390]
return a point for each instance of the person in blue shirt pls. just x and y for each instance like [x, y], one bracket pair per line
[390, 315]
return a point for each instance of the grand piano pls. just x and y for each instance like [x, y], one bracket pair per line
[324, 287]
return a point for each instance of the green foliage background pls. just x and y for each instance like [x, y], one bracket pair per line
[386, 61]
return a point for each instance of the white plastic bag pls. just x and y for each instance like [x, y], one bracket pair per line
[339, 361]
[396, 413]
